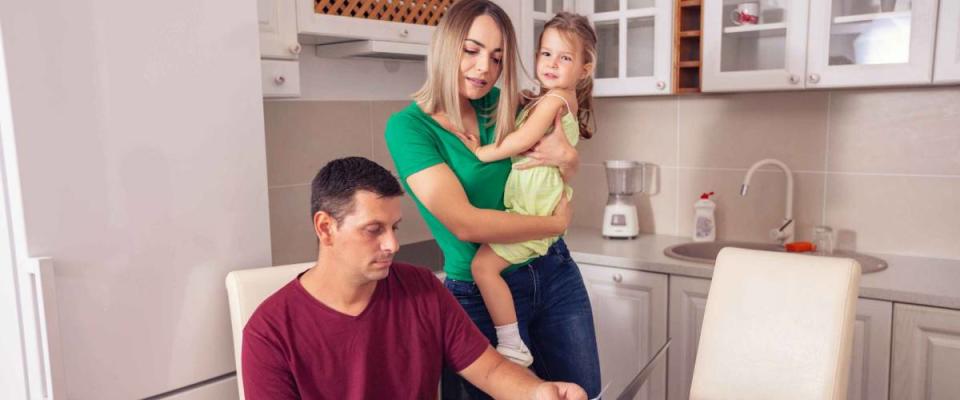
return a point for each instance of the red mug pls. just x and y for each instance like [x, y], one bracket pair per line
[746, 14]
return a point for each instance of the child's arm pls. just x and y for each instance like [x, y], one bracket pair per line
[527, 135]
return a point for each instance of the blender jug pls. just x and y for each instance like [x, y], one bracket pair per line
[624, 178]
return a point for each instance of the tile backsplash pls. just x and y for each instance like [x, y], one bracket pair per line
[882, 167]
[302, 136]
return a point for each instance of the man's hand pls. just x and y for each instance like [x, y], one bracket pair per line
[559, 391]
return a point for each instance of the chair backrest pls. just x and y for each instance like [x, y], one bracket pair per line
[246, 289]
[777, 326]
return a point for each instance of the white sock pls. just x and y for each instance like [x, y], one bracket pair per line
[509, 335]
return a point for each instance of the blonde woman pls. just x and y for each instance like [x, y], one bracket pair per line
[461, 198]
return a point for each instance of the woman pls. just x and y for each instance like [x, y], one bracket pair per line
[461, 198]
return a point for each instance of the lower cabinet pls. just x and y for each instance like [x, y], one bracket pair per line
[869, 367]
[630, 315]
[688, 300]
[870, 363]
[926, 353]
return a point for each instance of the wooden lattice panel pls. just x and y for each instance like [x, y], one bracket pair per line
[422, 12]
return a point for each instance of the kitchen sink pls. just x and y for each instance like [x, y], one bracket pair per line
[706, 253]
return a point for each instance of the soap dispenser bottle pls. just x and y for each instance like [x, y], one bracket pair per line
[704, 223]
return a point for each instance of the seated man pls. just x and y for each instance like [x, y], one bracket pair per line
[357, 325]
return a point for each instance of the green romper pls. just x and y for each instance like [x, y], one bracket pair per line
[535, 191]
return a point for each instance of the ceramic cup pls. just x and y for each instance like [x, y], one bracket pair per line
[746, 14]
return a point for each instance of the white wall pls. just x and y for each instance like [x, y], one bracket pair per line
[141, 152]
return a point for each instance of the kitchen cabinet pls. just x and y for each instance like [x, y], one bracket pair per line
[819, 44]
[279, 48]
[926, 353]
[278, 29]
[630, 316]
[870, 362]
[769, 55]
[688, 300]
[345, 21]
[870, 42]
[280, 78]
[870, 358]
[634, 46]
[947, 63]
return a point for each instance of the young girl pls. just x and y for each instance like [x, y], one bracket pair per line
[565, 58]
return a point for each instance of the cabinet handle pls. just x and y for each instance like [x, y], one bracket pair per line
[617, 278]
[404, 32]
[279, 79]
[660, 85]
[794, 79]
[295, 48]
[814, 78]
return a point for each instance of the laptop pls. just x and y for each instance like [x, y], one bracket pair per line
[631, 390]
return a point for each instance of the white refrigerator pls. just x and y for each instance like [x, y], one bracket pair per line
[134, 179]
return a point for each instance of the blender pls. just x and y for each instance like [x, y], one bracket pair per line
[620, 214]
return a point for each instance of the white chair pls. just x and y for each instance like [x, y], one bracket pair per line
[246, 289]
[777, 326]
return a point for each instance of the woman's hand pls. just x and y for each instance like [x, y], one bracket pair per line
[563, 213]
[554, 149]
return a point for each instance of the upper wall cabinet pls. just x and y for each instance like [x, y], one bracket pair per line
[279, 48]
[947, 67]
[278, 29]
[841, 43]
[634, 45]
[871, 42]
[765, 53]
[329, 21]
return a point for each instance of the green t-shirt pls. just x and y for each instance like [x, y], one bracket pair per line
[416, 141]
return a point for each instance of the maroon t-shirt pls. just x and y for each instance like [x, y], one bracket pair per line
[295, 347]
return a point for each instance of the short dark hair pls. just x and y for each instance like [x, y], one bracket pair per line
[333, 188]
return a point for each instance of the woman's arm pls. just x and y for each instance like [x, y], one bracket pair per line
[528, 134]
[440, 192]
[554, 150]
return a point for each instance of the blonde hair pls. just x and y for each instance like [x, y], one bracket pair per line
[441, 91]
[575, 28]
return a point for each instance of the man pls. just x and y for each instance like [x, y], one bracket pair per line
[357, 325]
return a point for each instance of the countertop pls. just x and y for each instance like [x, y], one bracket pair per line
[915, 280]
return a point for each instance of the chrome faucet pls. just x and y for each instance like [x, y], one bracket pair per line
[784, 233]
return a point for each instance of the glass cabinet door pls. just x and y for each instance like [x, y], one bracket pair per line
[535, 14]
[947, 66]
[754, 44]
[634, 46]
[871, 42]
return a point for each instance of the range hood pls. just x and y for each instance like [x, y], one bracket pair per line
[373, 49]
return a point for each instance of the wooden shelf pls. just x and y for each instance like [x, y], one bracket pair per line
[687, 33]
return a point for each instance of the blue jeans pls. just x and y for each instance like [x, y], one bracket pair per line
[555, 319]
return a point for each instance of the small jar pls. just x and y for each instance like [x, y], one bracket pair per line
[823, 240]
